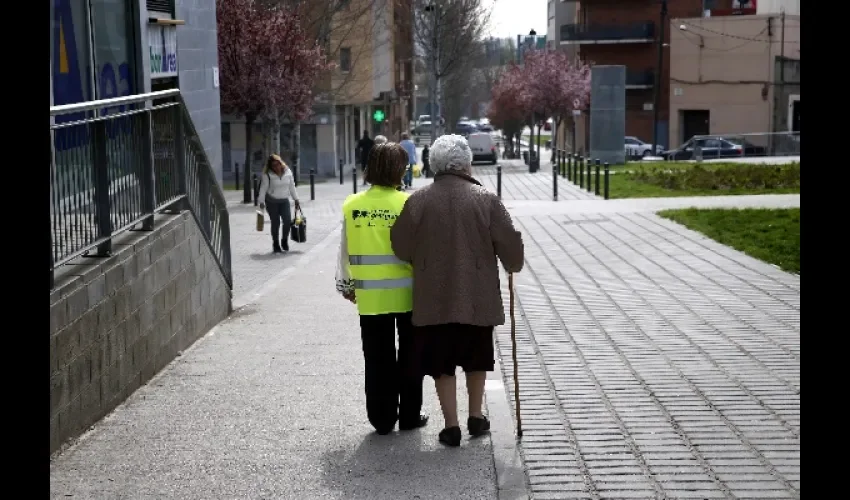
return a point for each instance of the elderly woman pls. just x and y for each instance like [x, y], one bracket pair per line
[454, 232]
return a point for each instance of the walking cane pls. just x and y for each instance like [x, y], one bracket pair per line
[513, 352]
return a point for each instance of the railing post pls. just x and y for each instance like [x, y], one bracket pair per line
[236, 169]
[569, 167]
[596, 188]
[606, 180]
[312, 184]
[499, 180]
[555, 182]
[102, 203]
[146, 176]
[341, 181]
[204, 200]
[180, 156]
[256, 182]
[564, 163]
[224, 219]
[354, 179]
[580, 171]
[590, 174]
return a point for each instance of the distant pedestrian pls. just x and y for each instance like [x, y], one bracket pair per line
[276, 187]
[454, 232]
[426, 161]
[364, 146]
[410, 147]
[369, 275]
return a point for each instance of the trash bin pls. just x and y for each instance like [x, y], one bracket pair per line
[534, 163]
[525, 157]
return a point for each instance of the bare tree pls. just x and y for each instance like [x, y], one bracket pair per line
[445, 31]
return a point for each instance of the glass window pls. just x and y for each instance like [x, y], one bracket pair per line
[113, 47]
[345, 59]
[70, 52]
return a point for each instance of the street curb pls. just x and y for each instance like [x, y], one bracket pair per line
[511, 483]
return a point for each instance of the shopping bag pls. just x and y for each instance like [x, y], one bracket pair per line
[298, 230]
[261, 218]
[417, 171]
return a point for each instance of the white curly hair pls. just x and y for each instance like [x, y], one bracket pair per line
[380, 139]
[451, 152]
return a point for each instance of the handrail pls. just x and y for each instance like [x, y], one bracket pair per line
[65, 109]
[219, 193]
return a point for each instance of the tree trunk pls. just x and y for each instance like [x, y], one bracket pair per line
[249, 138]
[276, 133]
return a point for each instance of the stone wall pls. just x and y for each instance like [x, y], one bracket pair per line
[115, 322]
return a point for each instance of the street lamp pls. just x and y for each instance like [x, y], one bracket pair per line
[658, 68]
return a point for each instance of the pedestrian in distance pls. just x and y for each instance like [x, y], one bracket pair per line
[364, 146]
[410, 147]
[426, 161]
[277, 186]
[370, 276]
[454, 232]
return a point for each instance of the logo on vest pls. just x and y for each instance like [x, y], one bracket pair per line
[374, 218]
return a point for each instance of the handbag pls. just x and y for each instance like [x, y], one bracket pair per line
[298, 229]
[260, 220]
[417, 171]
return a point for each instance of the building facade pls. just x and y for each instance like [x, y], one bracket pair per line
[113, 48]
[734, 75]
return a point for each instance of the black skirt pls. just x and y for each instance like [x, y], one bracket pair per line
[440, 349]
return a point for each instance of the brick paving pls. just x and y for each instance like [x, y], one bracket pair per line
[518, 184]
[654, 363]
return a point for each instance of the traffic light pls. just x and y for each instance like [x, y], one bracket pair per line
[378, 116]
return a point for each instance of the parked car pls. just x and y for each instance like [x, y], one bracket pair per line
[485, 127]
[714, 147]
[465, 128]
[424, 128]
[636, 147]
[483, 146]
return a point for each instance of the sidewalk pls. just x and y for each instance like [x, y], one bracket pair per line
[270, 404]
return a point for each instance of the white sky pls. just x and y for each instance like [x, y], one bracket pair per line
[510, 18]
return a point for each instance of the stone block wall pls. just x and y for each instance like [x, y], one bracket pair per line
[115, 322]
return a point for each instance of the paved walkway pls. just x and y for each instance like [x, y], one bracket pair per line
[654, 363]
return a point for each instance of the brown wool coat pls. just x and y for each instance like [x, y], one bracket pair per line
[452, 232]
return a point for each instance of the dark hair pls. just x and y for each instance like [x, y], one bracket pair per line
[387, 164]
[404, 136]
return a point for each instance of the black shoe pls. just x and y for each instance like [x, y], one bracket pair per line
[422, 421]
[284, 243]
[383, 432]
[450, 436]
[478, 426]
[276, 248]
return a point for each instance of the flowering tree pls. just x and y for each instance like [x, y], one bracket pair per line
[268, 65]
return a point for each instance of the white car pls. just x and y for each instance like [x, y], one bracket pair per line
[637, 148]
[483, 147]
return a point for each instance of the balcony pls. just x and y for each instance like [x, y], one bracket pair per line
[575, 34]
[640, 79]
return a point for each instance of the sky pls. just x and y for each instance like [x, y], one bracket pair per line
[510, 18]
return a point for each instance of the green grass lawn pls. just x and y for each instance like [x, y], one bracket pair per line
[771, 235]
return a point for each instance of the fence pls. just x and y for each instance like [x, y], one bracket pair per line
[110, 173]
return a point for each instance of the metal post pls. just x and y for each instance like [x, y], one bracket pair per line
[256, 189]
[499, 180]
[606, 180]
[52, 179]
[100, 164]
[580, 171]
[341, 180]
[236, 169]
[312, 184]
[657, 87]
[555, 182]
[564, 163]
[596, 188]
[204, 201]
[354, 179]
[570, 167]
[590, 174]
[146, 176]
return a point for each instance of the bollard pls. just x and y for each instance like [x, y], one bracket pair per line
[555, 182]
[596, 190]
[580, 171]
[354, 179]
[256, 189]
[570, 167]
[590, 174]
[236, 170]
[499, 180]
[341, 181]
[606, 180]
[312, 185]
[563, 164]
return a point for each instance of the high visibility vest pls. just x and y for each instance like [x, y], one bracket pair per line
[383, 284]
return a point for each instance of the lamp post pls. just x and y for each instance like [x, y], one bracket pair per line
[530, 42]
[434, 66]
[658, 69]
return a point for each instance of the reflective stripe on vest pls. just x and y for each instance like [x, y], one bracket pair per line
[383, 284]
[373, 260]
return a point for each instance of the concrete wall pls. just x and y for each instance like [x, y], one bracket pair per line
[197, 55]
[116, 322]
[730, 77]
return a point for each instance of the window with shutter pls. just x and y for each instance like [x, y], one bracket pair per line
[165, 6]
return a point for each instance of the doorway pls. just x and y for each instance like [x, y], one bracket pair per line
[694, 122]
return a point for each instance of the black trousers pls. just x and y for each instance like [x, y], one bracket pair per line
[280, 215]
[393, 392]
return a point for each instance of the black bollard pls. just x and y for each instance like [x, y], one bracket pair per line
[236, 173]
[606, 180]
[570, 167]
[354, 179]
[256, 189]
[499, 180]
[563, 164]
[312, 185]
[590, 174]
[580, 171]
[341, 181]
[596, 188]
[555, 182]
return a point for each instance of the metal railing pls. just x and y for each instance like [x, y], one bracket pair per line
[589, 32]
[731, 146]
[110, 173]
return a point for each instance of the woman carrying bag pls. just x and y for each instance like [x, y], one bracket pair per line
[276, 187]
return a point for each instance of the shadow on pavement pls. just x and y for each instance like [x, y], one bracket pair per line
[275, 256]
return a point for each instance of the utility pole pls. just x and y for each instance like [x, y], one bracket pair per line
[434, 66]
[658, 69]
